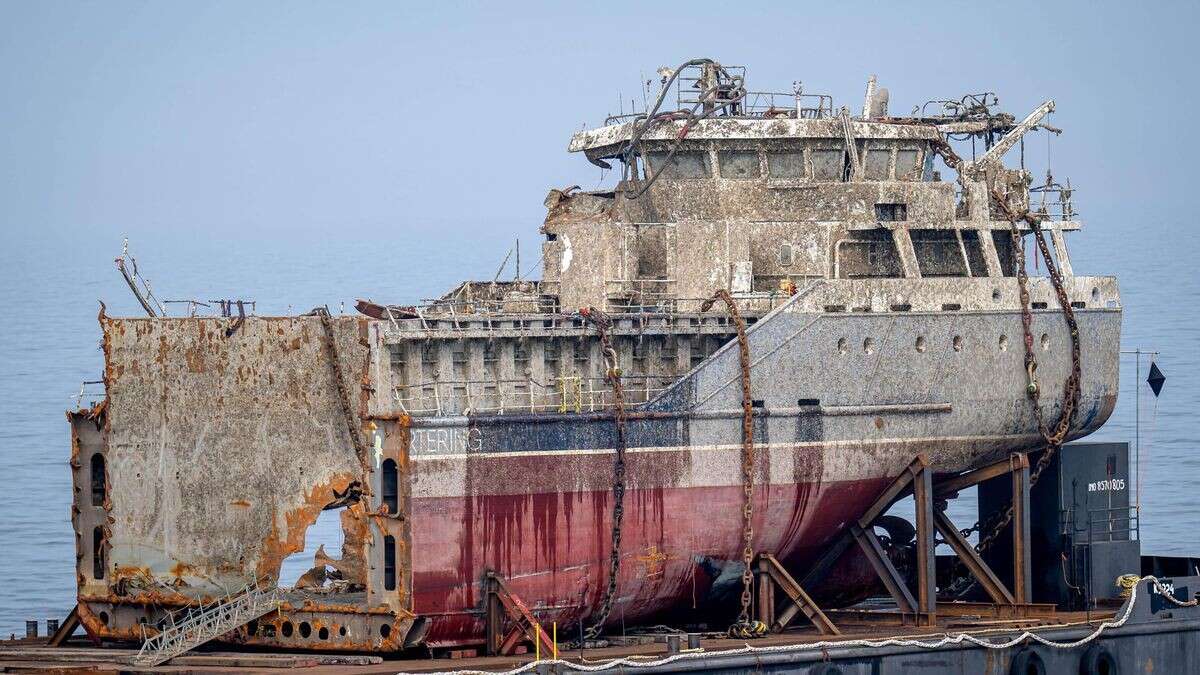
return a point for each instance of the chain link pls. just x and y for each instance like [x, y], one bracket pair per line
[1053, 438]
[603, 323]
[745, 627]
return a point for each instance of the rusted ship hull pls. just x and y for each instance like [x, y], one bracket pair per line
[554, 548]
[434, 502]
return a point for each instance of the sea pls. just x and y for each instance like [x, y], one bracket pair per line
[54, 280]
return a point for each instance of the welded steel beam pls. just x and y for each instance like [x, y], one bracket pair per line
[926, 558]
[771, 570]
[1022, 573]
[966, 553]
[888, 574]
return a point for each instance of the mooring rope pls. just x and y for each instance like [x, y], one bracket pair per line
[947, 639]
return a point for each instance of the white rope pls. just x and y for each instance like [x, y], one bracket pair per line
[944, 641]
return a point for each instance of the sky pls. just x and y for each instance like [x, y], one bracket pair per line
[450, 120]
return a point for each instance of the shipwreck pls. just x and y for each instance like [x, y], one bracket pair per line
[736, 348]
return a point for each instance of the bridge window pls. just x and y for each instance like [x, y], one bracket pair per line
[828, 164]
[906, 165]
[1004, 250]
[939, 253]
[871, 253]
[786, 165]
[739, 164]
[876, 165]
[691, 164]
[978, 266]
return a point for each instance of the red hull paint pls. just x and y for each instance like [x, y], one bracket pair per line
[553, 548]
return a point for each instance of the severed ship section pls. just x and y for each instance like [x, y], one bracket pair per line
[880, 281]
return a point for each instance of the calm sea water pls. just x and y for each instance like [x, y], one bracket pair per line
[49, 344]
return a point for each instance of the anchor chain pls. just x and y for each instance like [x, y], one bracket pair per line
[1053, 438]
[603, 323]
[745, 627]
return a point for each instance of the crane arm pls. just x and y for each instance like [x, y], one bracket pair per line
[1010, 139]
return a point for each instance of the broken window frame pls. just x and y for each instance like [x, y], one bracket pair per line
[953, 253]
[98, 563]
[877, 245]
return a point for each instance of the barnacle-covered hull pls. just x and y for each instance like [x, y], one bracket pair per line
[532, 501]
[476, 433]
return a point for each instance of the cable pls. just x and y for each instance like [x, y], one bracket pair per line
[946, 640]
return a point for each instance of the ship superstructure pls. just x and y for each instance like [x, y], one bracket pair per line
[476, 433]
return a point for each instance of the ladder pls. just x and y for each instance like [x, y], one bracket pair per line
[207, 622]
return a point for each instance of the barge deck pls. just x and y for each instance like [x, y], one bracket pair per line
[1149, 633]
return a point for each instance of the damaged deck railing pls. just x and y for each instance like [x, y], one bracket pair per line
[474, 316]
[207, 622]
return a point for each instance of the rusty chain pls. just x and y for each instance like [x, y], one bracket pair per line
[603, 323]
[1071, 386]
[1053, 438]
[744, 627]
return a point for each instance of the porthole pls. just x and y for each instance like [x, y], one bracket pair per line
[958, 343]
[842, 347]
[996, 294]
[103, 618]
[99, 477]
[342, 631]
[390, 480]
[305, 629]
[1045, 341]
[1003, 343]
[1095, 293]
[385, 630]
[286, 629]
[921, 344]
[323, 633]
[869, 345]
